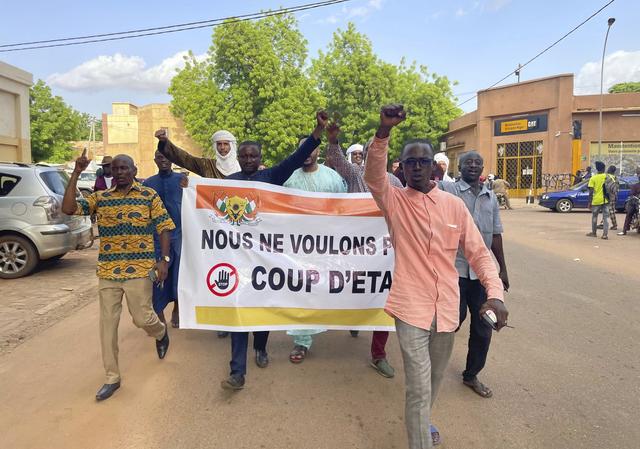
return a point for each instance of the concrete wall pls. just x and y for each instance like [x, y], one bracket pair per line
[130, 129]
[15, 137]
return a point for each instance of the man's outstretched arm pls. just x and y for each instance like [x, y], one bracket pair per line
[375, 172]
[201, 166]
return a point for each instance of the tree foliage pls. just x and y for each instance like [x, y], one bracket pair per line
[54, 125]
[357, 83]
[625, 87]
[254, 84]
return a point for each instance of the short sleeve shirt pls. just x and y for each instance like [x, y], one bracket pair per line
[126, 223]
[596, 182]
[486, 215]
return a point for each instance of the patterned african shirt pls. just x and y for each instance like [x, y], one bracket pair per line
[126, 222]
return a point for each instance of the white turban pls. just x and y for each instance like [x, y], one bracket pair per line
[353, 148]
[226, 164]
[441, 157]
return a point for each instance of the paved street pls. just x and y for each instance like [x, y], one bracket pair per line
[567, 376]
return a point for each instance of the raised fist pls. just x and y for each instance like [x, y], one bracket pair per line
[323, 119]
[161, 135]
[333, 130]
[82, 162]
[392, 115]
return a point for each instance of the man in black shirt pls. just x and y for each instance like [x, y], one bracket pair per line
[250, 158]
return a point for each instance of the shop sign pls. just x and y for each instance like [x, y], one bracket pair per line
[528, 124]
[616, 148]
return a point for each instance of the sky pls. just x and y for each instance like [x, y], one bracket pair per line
[472, 42]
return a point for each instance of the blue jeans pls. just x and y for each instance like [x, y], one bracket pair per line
[239, 345]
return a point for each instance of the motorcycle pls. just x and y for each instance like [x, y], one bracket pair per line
[502, 200]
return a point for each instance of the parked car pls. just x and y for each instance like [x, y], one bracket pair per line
[86, 181]
[32, 225]
[578, 196]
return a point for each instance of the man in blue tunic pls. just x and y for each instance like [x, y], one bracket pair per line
[168, 185]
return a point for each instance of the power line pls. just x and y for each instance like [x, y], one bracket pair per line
[520, 67]
[81, 40]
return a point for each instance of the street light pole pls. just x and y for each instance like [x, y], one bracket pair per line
[604, 50]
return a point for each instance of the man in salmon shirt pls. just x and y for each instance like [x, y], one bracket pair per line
[426, 226]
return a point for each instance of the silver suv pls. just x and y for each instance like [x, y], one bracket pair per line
[32, 225]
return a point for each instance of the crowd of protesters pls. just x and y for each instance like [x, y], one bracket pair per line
[446, 233]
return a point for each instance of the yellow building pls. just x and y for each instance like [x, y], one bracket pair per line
[15, 133]
[130, 129]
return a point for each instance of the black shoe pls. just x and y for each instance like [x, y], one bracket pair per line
[106, 391]
[222, 334]
[354, 334]
[262, 359]
[162, 346]
[233, 383]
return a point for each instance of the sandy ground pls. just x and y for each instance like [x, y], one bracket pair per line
[568, 376]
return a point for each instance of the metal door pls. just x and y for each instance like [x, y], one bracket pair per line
[520, 164]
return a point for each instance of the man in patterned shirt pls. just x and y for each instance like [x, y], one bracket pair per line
[128, 214]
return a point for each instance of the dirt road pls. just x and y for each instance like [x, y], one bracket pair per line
[566, 377]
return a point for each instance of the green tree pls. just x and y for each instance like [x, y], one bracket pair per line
[252, 83]
[53, 125]
[357, 83]
[625, 87]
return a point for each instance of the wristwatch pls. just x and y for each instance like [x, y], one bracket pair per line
[166, 258]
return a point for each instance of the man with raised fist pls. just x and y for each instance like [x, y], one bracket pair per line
[426, 226]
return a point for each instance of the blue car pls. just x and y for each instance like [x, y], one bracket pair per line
[578, 196]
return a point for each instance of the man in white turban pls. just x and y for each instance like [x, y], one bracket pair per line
[225, 146]
[225, 163]
[443, 161]
[355, 154]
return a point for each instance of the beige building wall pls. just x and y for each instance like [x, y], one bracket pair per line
[15, 133]
[130, 129]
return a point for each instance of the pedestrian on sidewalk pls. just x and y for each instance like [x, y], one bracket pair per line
[483, 206]
[128, 215]
[353, 174]
[168, 184]
[426, 226]
[598, 201]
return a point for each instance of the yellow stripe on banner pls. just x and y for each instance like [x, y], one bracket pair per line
[282, 316]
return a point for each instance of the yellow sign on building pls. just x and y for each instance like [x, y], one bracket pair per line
[615, 148]
[514, 126]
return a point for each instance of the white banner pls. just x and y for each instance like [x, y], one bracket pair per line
[262, 257]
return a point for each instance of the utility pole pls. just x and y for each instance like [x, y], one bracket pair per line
[517, 72]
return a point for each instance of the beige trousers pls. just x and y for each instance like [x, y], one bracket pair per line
[139, 293]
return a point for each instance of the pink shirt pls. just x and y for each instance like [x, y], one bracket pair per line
[426, 230]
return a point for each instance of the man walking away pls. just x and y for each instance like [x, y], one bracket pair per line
[483, 206]
[168, 185]
[426, 226]
[312, 177]
[128, 215]
[598, 201]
